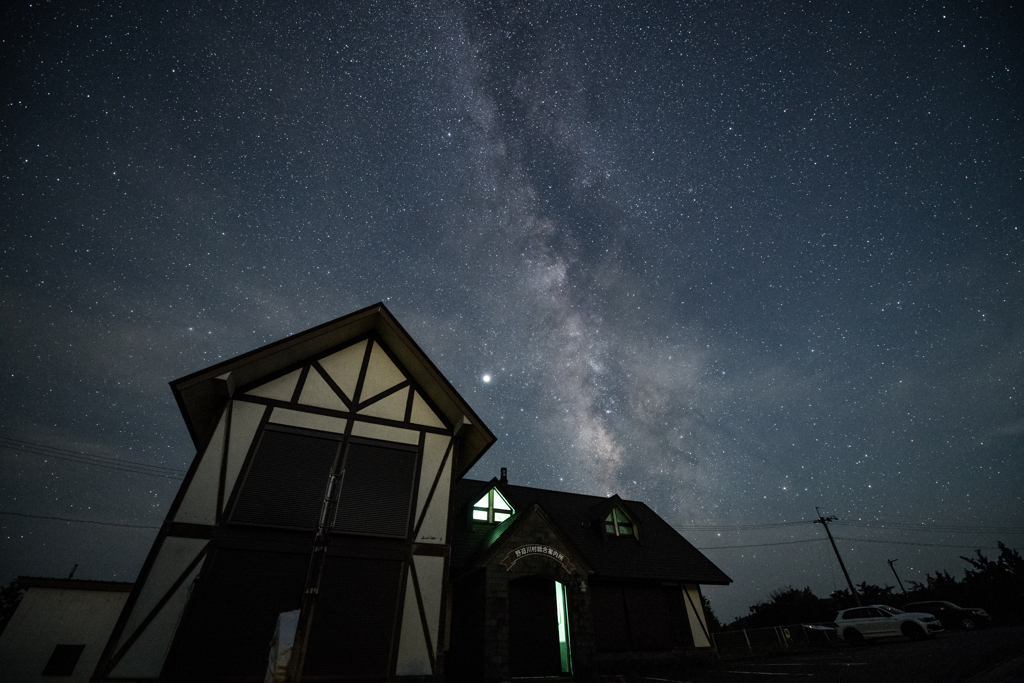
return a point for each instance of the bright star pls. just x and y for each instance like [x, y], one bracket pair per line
[486, 378]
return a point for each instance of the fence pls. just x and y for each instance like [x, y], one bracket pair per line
[732, 644]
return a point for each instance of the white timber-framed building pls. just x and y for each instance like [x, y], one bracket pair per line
[422, 574]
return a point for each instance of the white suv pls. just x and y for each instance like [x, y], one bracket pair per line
[858, 624]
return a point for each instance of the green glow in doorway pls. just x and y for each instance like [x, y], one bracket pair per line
[562, 606]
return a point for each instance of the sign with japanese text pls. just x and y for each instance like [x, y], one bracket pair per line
[525, 550]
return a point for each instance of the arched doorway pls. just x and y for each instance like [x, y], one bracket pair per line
[538, 627]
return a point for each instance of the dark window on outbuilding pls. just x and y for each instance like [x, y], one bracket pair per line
[63, 660]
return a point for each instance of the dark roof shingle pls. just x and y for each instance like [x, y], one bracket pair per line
[661, 554]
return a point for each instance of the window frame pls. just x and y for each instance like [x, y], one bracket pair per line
[490, 511]
[612, 525]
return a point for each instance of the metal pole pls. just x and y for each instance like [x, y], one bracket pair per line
[897, 575]
[313, 577]
[824, 522]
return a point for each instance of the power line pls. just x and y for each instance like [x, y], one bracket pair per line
[78, 521]
[894, 526]
[44, 449]
[932, 545]
[763, 545]
[92, 459]
[946, 529]
[741, 527]
[840, 538]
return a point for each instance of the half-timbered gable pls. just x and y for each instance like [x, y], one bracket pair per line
[351, 412]
[327, 493]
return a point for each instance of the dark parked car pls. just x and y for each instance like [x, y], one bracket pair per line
[953, 616]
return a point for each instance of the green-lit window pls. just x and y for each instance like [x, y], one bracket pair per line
[618, 523]
[492, 508]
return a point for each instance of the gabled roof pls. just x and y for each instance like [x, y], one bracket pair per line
[493, 537]
[202, 395]
[604, 508]
[661, 554]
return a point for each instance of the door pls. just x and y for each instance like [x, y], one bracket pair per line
[533, 627]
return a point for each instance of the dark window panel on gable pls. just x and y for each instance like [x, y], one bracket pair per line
[376, 493]
[287, 480]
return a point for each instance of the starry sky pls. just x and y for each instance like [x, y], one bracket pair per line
[740, 260]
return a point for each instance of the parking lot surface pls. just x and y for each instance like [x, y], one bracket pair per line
[993, 655]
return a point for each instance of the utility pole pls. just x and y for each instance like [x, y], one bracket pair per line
[824, 522]
[313, 576]
[891, 562]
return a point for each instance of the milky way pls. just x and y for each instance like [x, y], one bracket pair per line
[737, 260]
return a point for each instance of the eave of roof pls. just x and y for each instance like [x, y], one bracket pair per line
[202, 395]
[661, 554]
[74, 584]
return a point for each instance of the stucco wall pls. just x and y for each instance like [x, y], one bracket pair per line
[47, 617]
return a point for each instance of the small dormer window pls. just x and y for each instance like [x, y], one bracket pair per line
[618, 523]
[492, 508]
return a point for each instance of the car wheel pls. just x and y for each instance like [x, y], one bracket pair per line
[913, 631]
[853, 636]
[968, 623]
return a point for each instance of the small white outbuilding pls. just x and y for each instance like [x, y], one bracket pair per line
[59, 629]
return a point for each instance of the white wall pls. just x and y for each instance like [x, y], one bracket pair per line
[47, 617]
[695, 613]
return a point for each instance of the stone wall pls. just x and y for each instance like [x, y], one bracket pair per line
[581, 636]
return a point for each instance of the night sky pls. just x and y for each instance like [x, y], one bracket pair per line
[736, 259]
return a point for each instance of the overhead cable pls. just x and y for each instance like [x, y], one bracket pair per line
[79, 521]
[741, 527]
[762, 545]
[941, 528]
[932, 545]
[92, 459]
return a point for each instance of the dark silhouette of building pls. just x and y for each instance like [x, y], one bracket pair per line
[408, 545]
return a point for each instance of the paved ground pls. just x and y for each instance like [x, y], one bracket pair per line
[988, 656]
